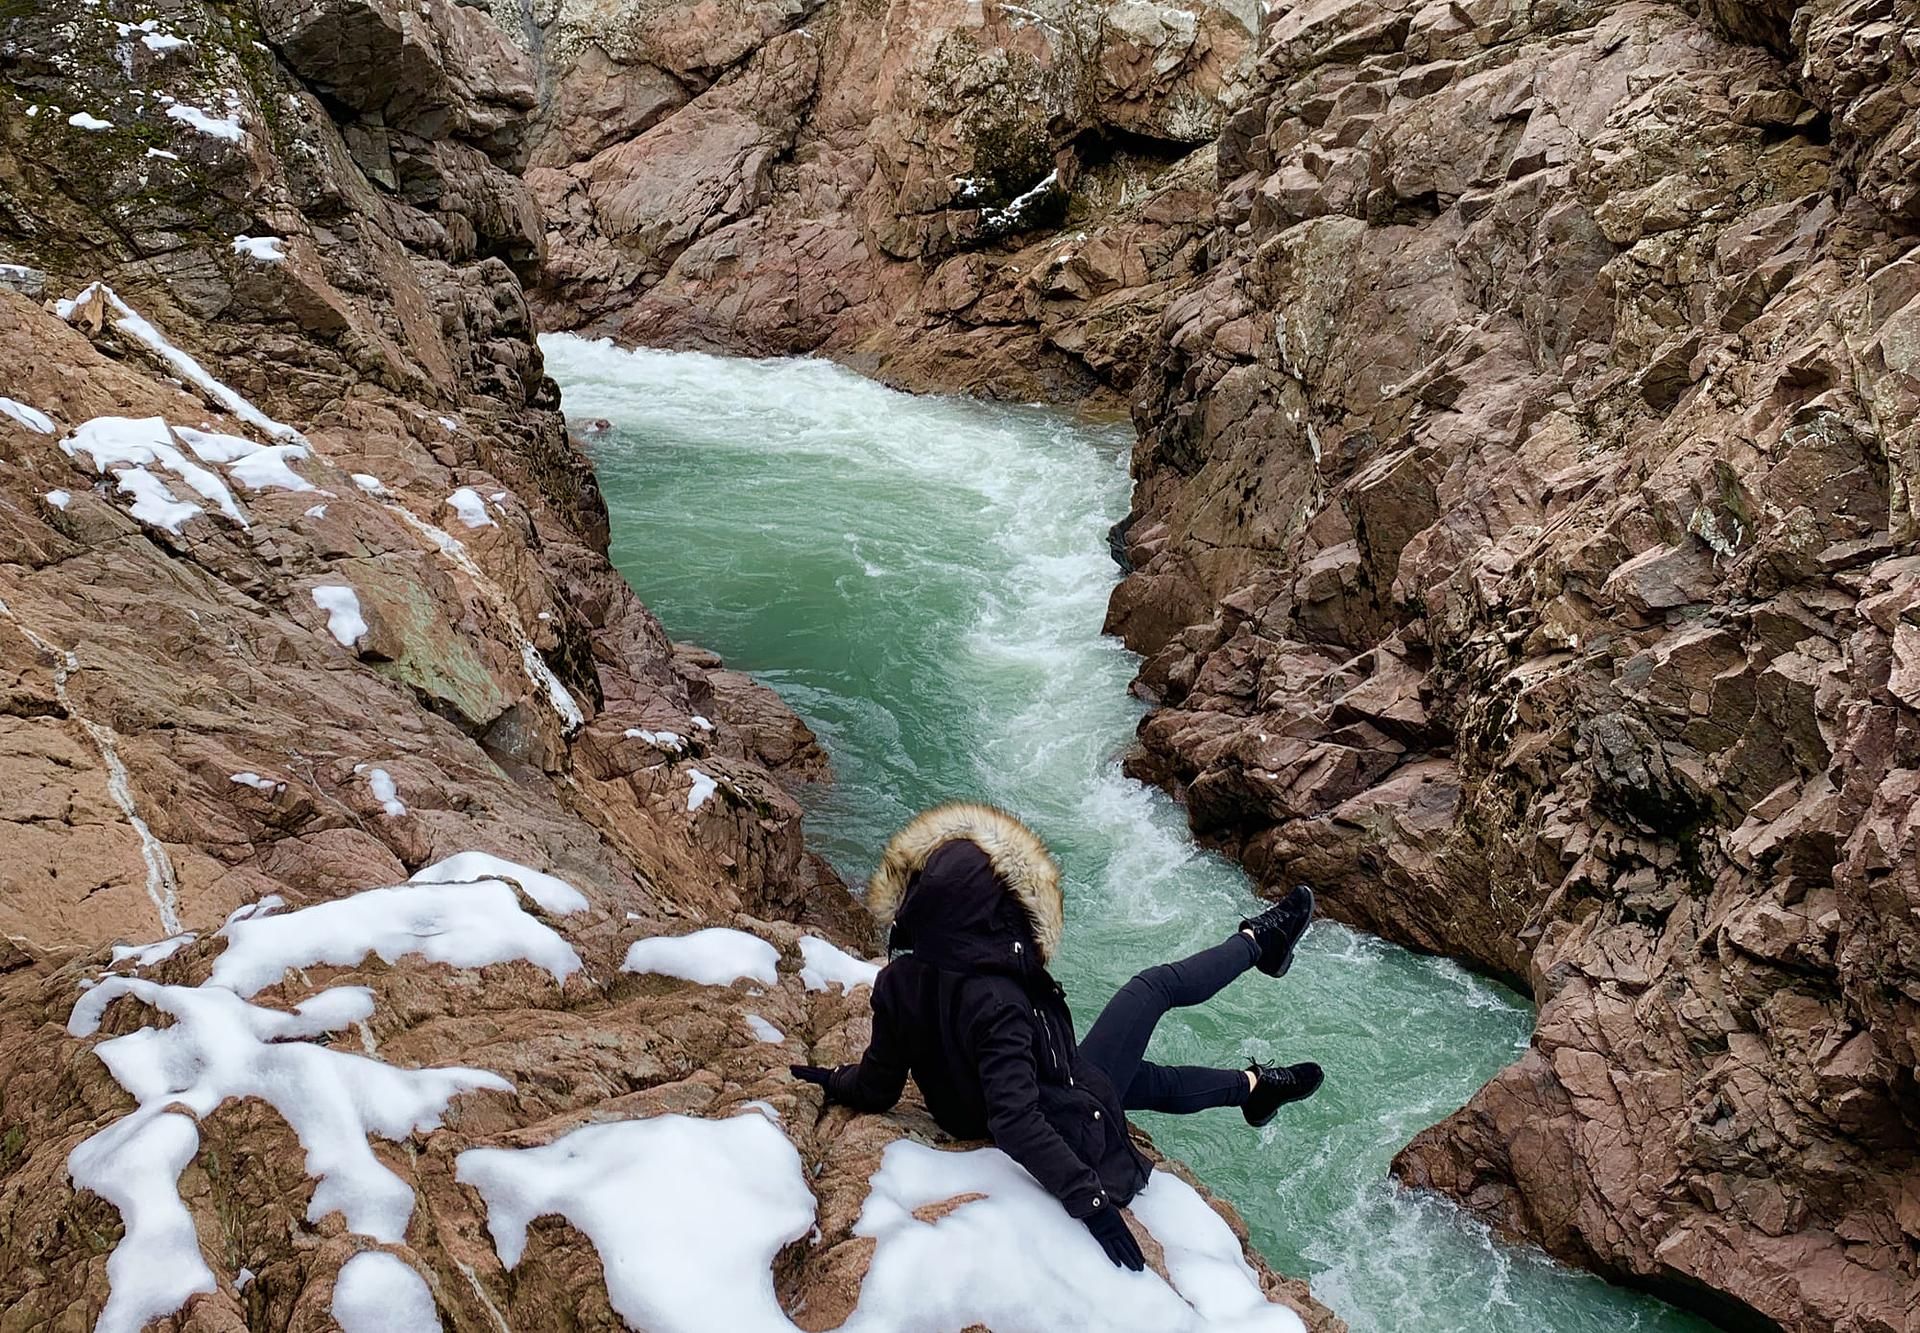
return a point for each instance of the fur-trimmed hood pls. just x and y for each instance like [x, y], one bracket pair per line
[1021, 862]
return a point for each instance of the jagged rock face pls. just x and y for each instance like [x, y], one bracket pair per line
[949, 194]
[1525, 552]
[304, 591]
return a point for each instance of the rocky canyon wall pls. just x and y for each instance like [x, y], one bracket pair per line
[945, 193]
[1524, 551]
[340, 768]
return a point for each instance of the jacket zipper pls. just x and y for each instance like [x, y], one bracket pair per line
[1046, 1030]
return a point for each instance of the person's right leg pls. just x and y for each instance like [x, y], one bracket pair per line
[1184, 1089]
[1118, 1039]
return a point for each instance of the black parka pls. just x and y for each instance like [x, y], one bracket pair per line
[971, 1012]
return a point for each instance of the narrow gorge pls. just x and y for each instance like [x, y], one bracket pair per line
[1501, 415]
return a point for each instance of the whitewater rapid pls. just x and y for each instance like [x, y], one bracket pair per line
[924, 580]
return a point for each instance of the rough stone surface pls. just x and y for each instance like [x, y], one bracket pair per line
[183, 730]
[1525, 554]
[943, 192]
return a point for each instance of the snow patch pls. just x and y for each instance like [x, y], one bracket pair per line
[135, 1165]
[266, 249]
[660, 740]
[827, 965]
[30, 417]
[135, 444]
[470, 508]
[472, 924]
[702, 723]
[715, 956]
[377, 1292]
[557, 694]
[153, 503]
[703, 788]
[342, 606]
[387, 792]
[1015, 212]
[1015, 1259]
[255, 466]
[59, 499]
[550, 891]
[687, 1214]
[1204, 1258]
[219, 1048]
[369, 483]
[254, 780]
[146, 955]
[763, 1030]
[134, 325]
[80, 120]
[218, 127]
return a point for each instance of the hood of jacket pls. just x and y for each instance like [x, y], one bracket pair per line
[954, 907]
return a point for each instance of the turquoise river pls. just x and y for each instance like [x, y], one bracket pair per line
[923, 579]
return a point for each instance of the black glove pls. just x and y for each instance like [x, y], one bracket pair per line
[1110, 1229]
[811, 1074]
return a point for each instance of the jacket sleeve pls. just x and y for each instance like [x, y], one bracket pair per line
[875, 1083]
[1002, 1042]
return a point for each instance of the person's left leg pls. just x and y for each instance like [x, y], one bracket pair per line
[1117, 1042]
[1183, 1089]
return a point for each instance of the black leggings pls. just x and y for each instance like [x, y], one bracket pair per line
[1118, 1040]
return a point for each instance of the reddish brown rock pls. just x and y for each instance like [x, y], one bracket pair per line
[1523, 549]
[328, 604]
[942, 193]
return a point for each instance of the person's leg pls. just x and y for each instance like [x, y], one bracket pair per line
[1183, 1089]
[1118, 1038]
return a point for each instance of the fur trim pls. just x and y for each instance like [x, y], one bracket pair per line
[1019, 858]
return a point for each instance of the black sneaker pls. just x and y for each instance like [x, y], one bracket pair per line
[1274, 1087]
[1279, 928]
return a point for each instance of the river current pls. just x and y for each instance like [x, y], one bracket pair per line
[923, 579]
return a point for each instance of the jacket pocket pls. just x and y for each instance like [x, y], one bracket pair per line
[1076, 1115]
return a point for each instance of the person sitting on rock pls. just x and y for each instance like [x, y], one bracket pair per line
[968, 1008]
